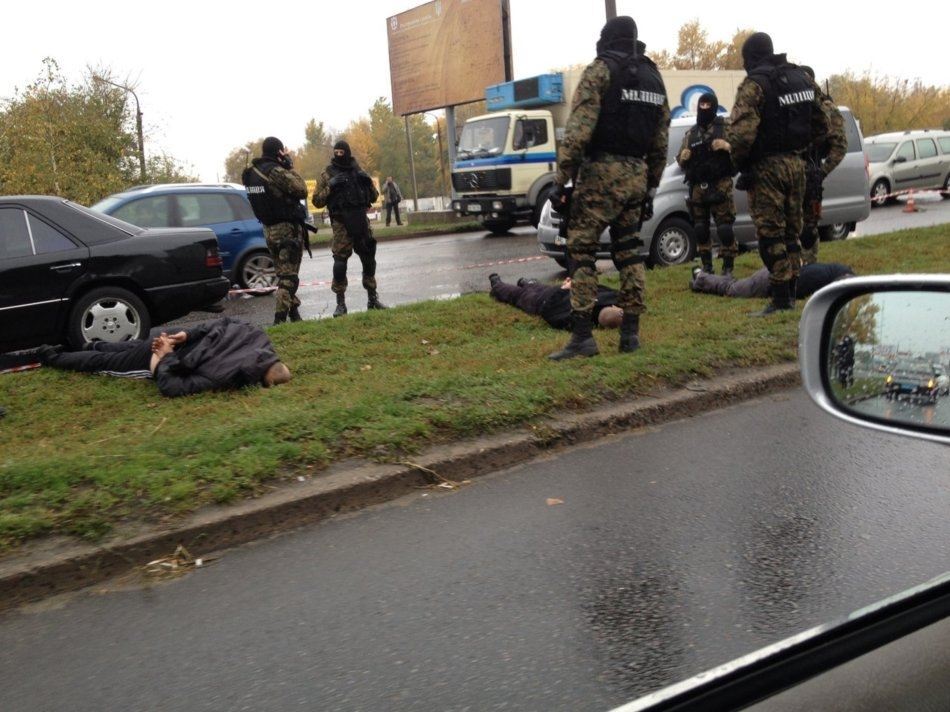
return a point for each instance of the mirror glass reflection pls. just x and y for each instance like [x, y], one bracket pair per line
[889, 357]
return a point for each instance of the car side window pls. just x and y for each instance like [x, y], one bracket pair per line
[204, 209]
[530, 133]
[48, 239]
[146, 212]
[241, 207]
[926, 147]
[944, 145]
[906, 151]
[14, 235]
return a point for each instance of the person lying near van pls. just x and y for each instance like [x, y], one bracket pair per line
[553, 303]
[812, 278]
[218, 355]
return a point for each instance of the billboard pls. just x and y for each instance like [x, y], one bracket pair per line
[446, 52]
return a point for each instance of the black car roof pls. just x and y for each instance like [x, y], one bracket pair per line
[82, 223]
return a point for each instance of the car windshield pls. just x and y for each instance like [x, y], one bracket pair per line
[878, 152]
[102, 217]
[485, 137]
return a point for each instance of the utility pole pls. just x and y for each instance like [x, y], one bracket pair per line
[412, 168]
[611, 7]
[138, 121]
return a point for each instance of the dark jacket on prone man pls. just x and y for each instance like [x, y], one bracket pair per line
[222, 354]
[551, 303]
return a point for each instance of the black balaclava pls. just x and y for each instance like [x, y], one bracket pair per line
[704, 117]
[756, 50]
[619, 34]
[347, 154]
[271, 147]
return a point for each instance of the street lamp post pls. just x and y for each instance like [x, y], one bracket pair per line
[138, 121]
[438, 129]
[611, 7]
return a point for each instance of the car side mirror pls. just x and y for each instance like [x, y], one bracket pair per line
[874, 351]
[900, 159]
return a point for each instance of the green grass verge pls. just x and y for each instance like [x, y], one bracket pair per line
[79, 453]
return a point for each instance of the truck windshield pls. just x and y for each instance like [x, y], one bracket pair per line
[484, 137]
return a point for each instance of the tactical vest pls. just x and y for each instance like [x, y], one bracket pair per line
[631, 107]
[787, 114]
[706, 165]
[270, 205]
[352, 194]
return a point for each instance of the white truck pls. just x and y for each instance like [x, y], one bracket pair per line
[505, 162]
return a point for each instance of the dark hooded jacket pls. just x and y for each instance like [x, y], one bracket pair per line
[221, 354]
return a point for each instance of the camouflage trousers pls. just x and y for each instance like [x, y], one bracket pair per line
[285, 242]
[811, 215]
[775, 203]
[343, 247]
[714, 201]
[607, 193]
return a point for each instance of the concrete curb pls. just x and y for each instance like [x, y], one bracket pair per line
[51, 567]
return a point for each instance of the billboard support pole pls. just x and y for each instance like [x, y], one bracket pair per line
[611, 8]
[452, 139]
[412, 168]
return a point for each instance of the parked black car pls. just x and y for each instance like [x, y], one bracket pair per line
[68, 273]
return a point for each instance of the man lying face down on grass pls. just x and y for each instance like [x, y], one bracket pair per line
[218, 355]
[553, 303]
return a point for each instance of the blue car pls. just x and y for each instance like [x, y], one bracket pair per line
[224, 208]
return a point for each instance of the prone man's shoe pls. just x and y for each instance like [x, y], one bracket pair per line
[494, 278]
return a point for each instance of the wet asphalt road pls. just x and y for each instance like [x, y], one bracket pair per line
[906, 410]
[445, 266]
[673, 549]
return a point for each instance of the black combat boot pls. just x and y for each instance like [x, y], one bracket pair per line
[779, 301]
[280, 317]
[340, 305]
[706, 258]
[727, 264]
[582, 339]
[294, 313]
[372, 301]
[629, 333]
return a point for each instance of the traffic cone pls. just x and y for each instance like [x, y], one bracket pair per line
[911, 206]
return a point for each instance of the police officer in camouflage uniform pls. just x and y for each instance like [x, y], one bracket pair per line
[776, 117]
[819, 162]
[275, 191]
[614, 151]
[704, 158]
[347, 191]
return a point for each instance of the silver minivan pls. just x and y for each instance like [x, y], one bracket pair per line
[668, 237]
[905, 160]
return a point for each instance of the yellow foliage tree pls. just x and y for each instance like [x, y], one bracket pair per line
[885, 104]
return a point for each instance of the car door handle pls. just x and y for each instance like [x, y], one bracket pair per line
[66, 267]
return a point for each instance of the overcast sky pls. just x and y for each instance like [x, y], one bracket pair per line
[212, 75]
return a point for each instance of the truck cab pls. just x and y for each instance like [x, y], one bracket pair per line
[506, 159]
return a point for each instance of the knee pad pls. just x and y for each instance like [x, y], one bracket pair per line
[339, 270]
[289, 281]
[702, 233]
[727, 235]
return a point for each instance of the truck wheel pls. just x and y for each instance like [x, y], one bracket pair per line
[498, 227]
[673, 243]
[542, 199]
[107, 314]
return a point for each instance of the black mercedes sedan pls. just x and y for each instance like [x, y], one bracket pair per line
[70, 274]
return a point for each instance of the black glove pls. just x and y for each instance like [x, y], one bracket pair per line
[560, 198]
[744, 181]
[285, 162]
[646, 208]
[337, 180]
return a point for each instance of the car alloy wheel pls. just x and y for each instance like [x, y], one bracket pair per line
[257, 271]
[108, 314]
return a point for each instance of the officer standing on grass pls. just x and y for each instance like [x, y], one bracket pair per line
[614, 151]
[820, 160]
[347, 191]
[275, 190]
[776, 117]
[704, 158]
